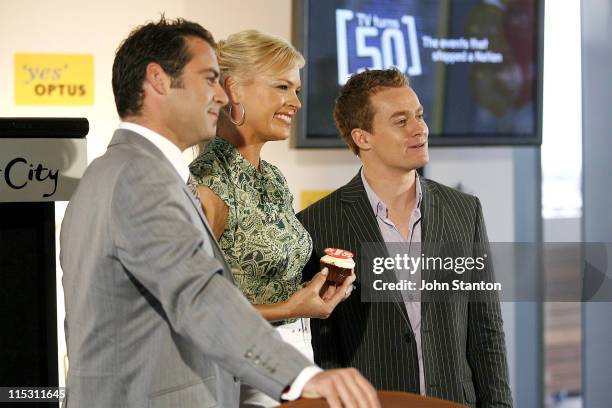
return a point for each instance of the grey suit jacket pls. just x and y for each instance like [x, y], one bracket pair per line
[463, 342]
[152, 317]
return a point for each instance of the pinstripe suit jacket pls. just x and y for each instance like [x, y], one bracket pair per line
[463, 342]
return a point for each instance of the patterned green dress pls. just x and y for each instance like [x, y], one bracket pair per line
[263, 242]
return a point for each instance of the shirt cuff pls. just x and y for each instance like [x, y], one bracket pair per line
[295, 389]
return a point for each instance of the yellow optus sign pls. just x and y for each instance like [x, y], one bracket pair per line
[54, 79]
[309, 197]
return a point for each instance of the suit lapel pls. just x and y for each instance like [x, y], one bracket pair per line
[358, 214]
[198, 207]
[213, 242]
[211, 237]
[433, 233]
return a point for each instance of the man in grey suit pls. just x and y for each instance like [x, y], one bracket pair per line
[152, 316]
[453, 349]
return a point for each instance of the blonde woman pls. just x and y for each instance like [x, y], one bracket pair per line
[247, 200]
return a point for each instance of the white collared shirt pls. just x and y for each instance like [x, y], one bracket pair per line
[169, 149]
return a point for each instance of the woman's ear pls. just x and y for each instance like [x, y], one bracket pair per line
[233, 89]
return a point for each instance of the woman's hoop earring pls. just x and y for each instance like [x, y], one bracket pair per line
[242, 117]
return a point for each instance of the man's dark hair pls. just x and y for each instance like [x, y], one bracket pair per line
[162, 42]
[354, 109]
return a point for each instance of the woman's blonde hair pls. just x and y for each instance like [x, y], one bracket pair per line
[249, 53]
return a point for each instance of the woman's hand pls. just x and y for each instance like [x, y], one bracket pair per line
[318, 299]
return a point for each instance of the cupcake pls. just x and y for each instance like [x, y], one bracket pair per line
[339, 263]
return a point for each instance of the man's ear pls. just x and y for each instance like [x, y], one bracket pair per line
[232, 89]
[157, 79]
[361, 138]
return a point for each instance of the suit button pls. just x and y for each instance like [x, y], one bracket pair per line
[407, 337]
[256, 361]
[248, 354]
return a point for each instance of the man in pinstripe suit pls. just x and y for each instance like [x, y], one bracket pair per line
[452, 350]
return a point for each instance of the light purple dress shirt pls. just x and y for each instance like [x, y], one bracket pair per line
[391, 234]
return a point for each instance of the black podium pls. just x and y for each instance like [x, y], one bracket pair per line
[41, 161]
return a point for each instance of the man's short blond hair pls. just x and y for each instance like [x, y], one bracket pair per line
[354, 109]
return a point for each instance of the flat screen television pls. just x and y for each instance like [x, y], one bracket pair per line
[476, 65]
